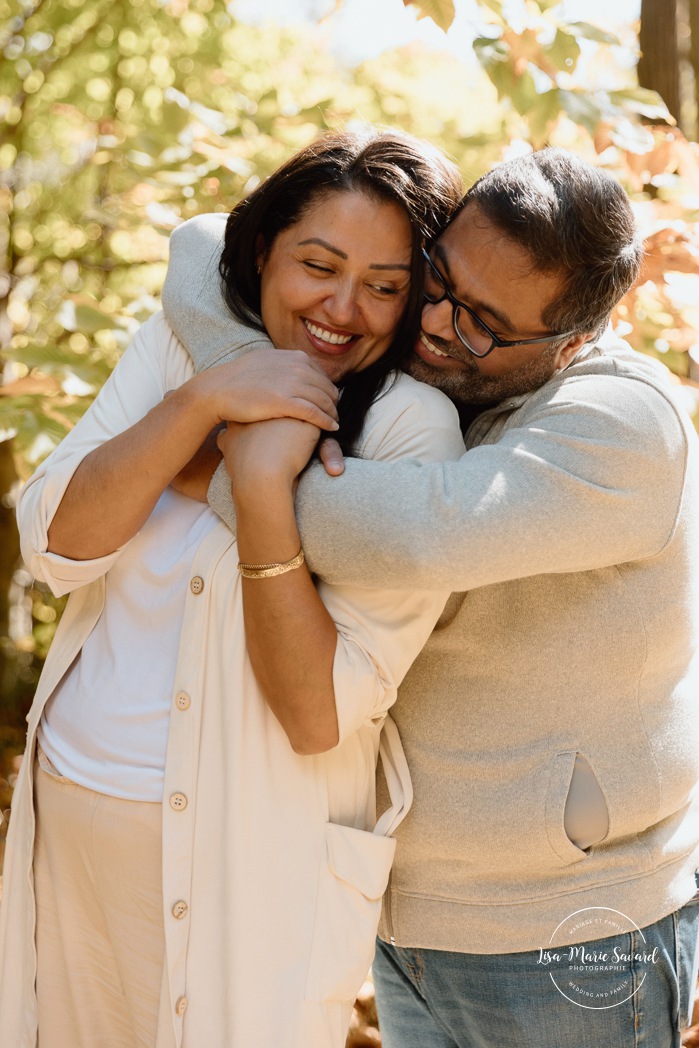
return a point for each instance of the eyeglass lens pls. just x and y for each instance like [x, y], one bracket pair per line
[467, 327]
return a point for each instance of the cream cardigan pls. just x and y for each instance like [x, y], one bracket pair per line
[258, 840]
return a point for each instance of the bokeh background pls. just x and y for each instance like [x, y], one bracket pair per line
[121, 118]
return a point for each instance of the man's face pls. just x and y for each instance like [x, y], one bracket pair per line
[495, 277]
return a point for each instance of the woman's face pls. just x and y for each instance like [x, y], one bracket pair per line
[335, 284]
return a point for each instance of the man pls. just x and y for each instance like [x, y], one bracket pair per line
[542, 884]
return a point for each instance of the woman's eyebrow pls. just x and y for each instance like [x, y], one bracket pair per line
[390, 265]
[323, 243]
[342, 254]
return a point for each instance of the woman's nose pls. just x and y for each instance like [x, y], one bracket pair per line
[341, 304]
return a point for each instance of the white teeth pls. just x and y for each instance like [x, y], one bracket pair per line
[432, 349]
[328, 336]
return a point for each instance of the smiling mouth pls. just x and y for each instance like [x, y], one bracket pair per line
[431, 348]
[330, 338]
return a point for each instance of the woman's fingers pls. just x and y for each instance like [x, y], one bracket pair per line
[323, 414]
[308, 384]
[267, 384]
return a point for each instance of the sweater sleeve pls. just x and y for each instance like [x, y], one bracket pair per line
[193, 300]
[587, 478]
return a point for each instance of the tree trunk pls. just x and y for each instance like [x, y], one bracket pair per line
[693, 12]
[659, 64]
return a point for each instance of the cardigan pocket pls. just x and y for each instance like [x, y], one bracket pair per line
[353, 877]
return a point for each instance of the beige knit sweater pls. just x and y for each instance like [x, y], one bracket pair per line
[570, 530]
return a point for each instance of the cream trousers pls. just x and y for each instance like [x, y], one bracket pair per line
[99, 933]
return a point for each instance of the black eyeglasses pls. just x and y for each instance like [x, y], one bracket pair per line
[471, 331]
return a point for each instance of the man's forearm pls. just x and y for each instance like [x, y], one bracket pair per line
[404, 526]
[193, 300]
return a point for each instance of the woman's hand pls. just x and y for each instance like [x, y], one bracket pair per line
[267, 384]
[260, 454]
[262, 385]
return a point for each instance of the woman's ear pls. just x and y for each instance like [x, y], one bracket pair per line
[260, 252]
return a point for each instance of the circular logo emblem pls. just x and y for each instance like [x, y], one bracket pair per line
[605, 971]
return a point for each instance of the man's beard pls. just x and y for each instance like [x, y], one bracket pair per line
[471, 387]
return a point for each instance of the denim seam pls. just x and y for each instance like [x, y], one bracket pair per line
[637, 1007]
[678, 970]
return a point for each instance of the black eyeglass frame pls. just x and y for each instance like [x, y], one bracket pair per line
[496, 343]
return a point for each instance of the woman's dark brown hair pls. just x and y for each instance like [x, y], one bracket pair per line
[387, 166]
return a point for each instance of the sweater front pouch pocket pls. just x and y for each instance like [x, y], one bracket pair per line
[352, 880]
[559, 785]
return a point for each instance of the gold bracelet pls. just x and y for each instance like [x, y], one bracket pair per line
[266, 571]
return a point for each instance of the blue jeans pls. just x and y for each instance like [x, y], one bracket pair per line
[435, 999]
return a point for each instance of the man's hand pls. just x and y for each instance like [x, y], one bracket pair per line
[194, 479]
[268, 384]
[331, 456]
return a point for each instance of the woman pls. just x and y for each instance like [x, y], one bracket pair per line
[263, 761]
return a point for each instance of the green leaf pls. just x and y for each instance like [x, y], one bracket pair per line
[631, 136]
[638, 94]
[543, 116]
[174, 119]
[521, 89]
[60, 360]
[27, 415]
[440, 11]
[593, 32]
[490, 51]
[564, 51]
[582, 108]
[546, 5]
[496, 58]
[495, 6]
[14, 411]
[53, 428]
[642, 101]
[75, 411]
[310, 112]
[75, 315]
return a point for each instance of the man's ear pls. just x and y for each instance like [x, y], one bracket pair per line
[569, 348]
